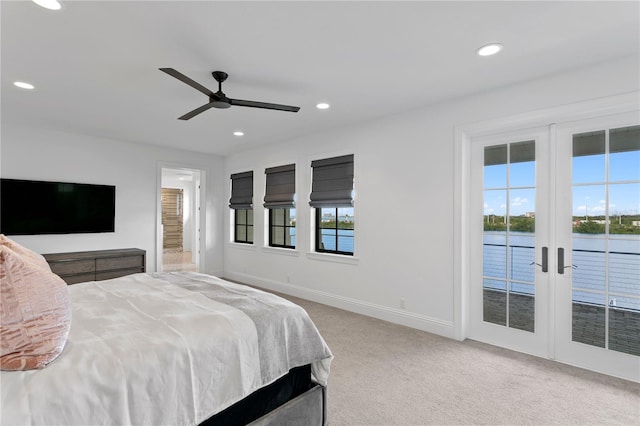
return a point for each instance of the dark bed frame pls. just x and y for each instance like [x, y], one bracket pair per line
[293, 399]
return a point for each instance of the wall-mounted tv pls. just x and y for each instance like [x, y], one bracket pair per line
[29, 207]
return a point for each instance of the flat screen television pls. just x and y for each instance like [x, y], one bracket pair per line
[29, 207]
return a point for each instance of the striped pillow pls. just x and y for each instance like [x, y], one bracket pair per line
[35, 313]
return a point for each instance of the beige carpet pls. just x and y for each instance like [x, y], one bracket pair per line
[386, 374]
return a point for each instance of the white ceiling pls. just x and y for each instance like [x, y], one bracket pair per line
[95, 63]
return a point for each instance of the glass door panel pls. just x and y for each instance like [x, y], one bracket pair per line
[509, 292]
[606, 239]
[508, 236]
[598, 291]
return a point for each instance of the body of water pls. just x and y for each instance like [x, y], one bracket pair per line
[619, 263]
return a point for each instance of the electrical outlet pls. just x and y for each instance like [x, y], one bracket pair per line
[288, 278]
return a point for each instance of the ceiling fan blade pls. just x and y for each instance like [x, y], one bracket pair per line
[196, 111]
[254, 104]
[183, 78]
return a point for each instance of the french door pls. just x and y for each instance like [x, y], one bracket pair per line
[555, 243]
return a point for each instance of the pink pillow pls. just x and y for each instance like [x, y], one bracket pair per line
[35, 313]
[36, 258]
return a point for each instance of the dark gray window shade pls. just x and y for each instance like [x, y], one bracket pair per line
[332, 182]
[241, 191]
[281, 187]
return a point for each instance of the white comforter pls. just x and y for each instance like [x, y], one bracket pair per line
[163, 349]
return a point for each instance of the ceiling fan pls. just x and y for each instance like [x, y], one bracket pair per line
[219, 99]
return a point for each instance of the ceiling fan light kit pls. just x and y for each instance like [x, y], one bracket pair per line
[219, 99]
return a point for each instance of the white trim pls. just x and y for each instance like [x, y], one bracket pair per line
[242, 246]
[335, 258]
[281, 251]
[397, 316]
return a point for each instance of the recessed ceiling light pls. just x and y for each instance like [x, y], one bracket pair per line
[49, 4]
[490, 49]
[238, 133]
[23, 85]
[322, 105]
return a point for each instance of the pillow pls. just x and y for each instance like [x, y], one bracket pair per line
[35, 313]
[38, 259]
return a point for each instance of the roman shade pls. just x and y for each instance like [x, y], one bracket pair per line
[281, 187]
[241, 191]
[332, 182]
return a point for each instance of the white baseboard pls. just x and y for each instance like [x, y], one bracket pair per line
[397, 316]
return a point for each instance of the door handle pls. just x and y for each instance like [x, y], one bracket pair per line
[545, 260]
[561, 266]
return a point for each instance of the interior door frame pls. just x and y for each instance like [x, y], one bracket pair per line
[463, 217]
[201, 197]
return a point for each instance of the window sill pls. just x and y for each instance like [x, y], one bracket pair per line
[335, 258]
[241, 246]
[281, 251]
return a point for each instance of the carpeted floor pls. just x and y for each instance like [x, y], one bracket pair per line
[387, 374]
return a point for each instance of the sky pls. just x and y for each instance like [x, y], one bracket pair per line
[589, 192]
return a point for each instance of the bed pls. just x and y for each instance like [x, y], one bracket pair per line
[179, 348]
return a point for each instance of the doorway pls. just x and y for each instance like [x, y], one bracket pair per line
[554, 242]
[180, 224]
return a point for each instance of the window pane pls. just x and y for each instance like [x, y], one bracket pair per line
[589, 208]
[494, 255]
[345, 240]
[588, 312]
[328, 239]
[588, 157]
[327, 218]
[522, 208]
[522, 167]
[495, 166]
[345, 218]
[589, 257]
[624, 208]
[495, 210]
[624, 325]
[522, 307]
[241, 233]
[249, 216]
[624, 270]
[250, 234]
[624, 148]
[277, 235]
[523, 254]
[494, 300]
[277, 217]
[241, 217]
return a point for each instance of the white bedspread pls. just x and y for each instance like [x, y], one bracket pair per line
[163, 349]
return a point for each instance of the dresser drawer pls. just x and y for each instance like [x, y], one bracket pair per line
[110, 263]
[67, 267]
[116, 274]
[82, 278]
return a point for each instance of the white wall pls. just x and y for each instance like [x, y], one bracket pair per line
[404, 172]
[38, 154]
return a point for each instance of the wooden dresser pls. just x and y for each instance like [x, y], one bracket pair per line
[96, 265]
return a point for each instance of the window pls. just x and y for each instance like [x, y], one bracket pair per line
[279, 198]
[334, 230]
[243, 226]
[282, 228]
[332, 197]
[242, 203]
